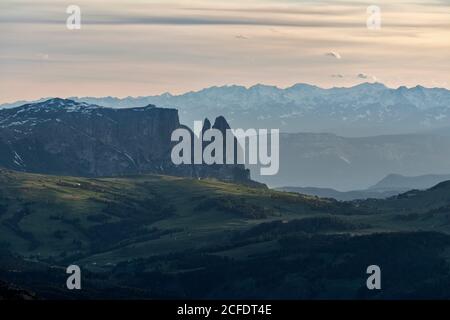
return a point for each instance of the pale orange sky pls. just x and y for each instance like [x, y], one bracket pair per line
[137, 48]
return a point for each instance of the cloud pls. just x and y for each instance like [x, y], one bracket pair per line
[43, 56]
[174, 39]
[363, 76]
[366, 77]
[174, 20]
[318, 10]
[333, 54]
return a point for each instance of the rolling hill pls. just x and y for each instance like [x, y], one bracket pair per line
[153, 236]
[343, 195]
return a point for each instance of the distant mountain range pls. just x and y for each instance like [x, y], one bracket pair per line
[391, 185]
[365, 109]
[330, 161]
[65, 137]
[399, 182]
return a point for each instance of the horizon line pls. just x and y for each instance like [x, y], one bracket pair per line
[224, 86]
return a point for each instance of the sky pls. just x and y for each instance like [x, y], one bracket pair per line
[143, 47]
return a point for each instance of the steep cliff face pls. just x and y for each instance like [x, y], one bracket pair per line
[69, 138]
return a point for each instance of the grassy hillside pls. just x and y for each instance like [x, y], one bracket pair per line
[49, 216]
[165, 237]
